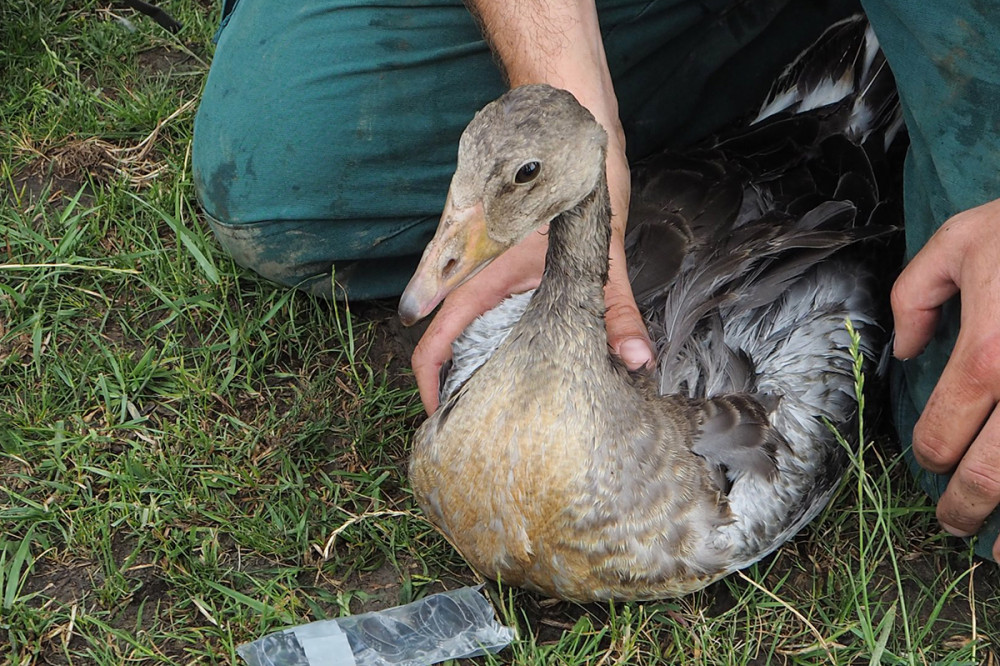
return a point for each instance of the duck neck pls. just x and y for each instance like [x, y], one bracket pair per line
[576, 265]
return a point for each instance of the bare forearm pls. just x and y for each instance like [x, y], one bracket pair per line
[547, 41]
[559, 42]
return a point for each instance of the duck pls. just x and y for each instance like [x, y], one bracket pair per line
[549, 465]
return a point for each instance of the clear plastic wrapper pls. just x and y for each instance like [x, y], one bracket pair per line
[451, 625]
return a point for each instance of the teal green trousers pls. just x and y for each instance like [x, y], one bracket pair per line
[328, 129]
[946, 60]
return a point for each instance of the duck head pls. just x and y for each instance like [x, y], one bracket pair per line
[525, 158]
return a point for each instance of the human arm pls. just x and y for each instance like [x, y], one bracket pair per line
[959, 428]
[556, 42]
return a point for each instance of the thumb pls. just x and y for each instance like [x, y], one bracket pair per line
[627, 334]
[628, 338]
[925, 284]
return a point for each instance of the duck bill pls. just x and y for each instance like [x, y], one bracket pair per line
[460, 249]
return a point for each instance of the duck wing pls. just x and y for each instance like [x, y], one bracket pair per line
[844, 63]
[775, 234]
[741, 220]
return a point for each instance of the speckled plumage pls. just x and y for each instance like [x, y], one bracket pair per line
[550, 466]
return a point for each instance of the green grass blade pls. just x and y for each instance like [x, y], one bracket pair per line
[187, 239]
[258, 606]
[887, 625]
[17, 569]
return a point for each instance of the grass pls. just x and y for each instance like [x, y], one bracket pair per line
[192, 457]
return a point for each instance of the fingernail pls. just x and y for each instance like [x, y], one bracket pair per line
[635, 352]
[954, 531]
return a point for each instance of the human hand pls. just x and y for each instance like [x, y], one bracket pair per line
[515, 271]
[628, 337]
[520, 269]
[960, 426]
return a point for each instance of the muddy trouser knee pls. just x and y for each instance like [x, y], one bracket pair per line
[328, 131]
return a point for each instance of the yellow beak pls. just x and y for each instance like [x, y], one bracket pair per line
[460, 249]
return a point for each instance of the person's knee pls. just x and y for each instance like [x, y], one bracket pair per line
[359, 259]
[264, 251]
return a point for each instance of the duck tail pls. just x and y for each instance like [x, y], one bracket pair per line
[844, 64]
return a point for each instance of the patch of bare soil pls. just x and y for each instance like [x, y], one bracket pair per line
[383, 586]
[31, 186]
[55, 174]
[393, 343]
[69, 164]
[66, 582]
[75, 583]
[161, 61]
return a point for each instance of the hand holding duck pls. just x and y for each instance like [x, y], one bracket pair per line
[558, 43]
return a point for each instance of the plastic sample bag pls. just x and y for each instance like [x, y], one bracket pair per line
[451, 625]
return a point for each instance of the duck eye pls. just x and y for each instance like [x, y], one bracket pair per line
[528, 172]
